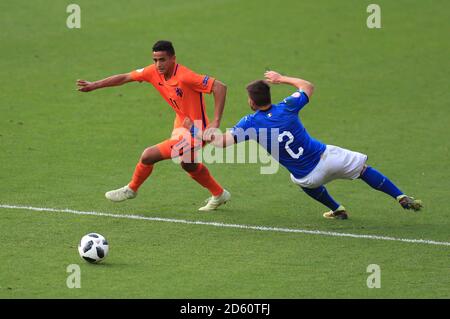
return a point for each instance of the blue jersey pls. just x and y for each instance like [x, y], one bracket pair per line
[280, 131]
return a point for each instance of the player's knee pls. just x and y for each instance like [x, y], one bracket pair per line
[150, 156]
[363, 170]
[189, 167]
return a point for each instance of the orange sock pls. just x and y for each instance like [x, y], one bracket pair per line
[140, 174]
[202, 176]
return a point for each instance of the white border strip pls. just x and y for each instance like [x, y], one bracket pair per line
[261, 228]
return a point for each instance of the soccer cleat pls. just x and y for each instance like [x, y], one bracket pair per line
[410, 203]
[215, 201]
[339, 214]
[121, 194]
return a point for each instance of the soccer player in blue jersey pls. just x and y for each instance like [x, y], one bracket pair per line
[311, 163]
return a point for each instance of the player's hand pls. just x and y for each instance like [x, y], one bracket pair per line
[211, 130]
[186, 131]
[273, 77]
[85, 86]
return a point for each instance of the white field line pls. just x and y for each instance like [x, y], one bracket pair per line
[260, 228]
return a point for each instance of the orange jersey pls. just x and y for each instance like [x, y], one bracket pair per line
[183, 91]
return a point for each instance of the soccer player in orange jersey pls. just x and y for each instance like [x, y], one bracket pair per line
[183, 90]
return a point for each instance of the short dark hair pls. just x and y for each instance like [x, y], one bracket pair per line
[163, 45]
[259, 92]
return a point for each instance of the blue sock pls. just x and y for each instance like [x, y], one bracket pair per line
[321, 194]
[380, 182]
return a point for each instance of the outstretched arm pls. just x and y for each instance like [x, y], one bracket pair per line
[276, 78]
[223, 140]
[217, 138]
[115, 80]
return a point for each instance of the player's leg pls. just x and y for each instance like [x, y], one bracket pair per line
[313, 186]
[144, 168]
[201, 175]
[321, 195]
[346, 164]
[378, 181]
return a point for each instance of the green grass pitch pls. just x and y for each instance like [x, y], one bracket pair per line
[383, 92]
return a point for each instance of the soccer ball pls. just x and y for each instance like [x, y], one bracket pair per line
[93, 247]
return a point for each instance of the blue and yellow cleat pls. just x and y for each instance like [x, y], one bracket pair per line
[337, 214]
[410, 203]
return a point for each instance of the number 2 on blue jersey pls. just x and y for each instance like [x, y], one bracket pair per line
[286, 146]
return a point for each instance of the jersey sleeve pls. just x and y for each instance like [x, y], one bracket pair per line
[144, 74]
[199, 83]
[242, 130]
[296, 101]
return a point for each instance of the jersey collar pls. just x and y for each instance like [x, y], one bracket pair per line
[173, 79]
[266, 110]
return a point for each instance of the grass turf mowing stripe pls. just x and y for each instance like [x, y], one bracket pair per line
[216, 224]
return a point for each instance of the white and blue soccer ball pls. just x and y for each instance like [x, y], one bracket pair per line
[93, 248]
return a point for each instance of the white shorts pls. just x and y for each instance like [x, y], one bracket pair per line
[335, 163]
